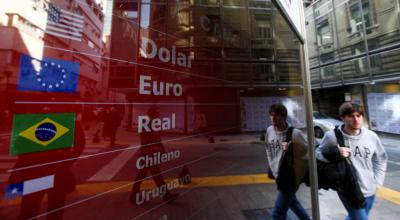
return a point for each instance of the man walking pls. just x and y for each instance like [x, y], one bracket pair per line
[277, 144]
[366, 153]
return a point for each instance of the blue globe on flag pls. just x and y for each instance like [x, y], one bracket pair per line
[45, 131]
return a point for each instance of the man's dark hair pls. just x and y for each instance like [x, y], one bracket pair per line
[278, 109]
[349, 108]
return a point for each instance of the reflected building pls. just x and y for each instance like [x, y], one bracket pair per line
[354, 51]
[205, 46]
[25, 29]
[211, 68]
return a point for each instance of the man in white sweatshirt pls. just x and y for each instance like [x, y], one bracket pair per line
[365, 151]
[276, 145]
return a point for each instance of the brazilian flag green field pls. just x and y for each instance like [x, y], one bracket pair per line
[42, 132]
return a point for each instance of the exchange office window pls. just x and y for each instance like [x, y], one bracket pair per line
[155, 124]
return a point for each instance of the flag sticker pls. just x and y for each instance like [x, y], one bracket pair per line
[42, 132]
[14, 190]
[27, 187]
[48, 75]
[63, 23]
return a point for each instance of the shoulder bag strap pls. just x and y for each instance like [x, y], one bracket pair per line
[340, 140]
[339, 137]
[289, 134]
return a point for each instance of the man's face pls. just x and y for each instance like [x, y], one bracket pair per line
[277, 120]
[353, 121]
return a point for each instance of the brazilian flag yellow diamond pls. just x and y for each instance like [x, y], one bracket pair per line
[41, 132]
[53, 130]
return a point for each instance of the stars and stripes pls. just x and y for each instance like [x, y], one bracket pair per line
[64, 24]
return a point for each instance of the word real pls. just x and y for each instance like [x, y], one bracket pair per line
[145, 123]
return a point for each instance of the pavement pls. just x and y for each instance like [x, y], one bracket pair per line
[230, 184]
[389, 140]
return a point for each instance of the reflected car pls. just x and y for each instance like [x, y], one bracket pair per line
[323, 123]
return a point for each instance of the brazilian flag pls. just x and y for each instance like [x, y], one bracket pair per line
[42, 132]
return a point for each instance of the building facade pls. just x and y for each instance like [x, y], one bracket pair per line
[353, 52]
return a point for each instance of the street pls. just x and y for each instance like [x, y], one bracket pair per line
[232, 170]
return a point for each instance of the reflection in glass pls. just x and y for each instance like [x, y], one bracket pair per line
[210, 67]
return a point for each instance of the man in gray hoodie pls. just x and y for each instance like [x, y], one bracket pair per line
[365, 151]
[276, 145]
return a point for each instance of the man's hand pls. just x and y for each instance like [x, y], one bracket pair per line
[344, 152]
[284, 145]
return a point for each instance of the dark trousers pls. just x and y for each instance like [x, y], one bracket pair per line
[283, 202]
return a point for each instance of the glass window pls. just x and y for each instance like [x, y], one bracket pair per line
[241, 3]
[207, 2]
[359, 15]
[311, 38]
[324, 34]
[261, 32]
[260, 4]
[346, 38]
[157, 117]
[236, 32]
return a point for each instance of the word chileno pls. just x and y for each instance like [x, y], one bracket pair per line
[156, 159]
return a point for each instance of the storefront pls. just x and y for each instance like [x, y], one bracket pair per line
[155, 116]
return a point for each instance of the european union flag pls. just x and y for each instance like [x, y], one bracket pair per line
[14, 190]
[48, 75]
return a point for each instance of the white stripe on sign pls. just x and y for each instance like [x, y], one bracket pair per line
[112, 168]
[38, 184]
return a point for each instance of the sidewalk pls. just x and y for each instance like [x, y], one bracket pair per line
[245, 200]
[389, 140]
[260, 205]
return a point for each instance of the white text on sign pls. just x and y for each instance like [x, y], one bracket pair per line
[156, 159]
[145, 123]
[149, 87]
[150, 50]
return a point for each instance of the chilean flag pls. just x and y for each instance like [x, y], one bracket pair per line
[27, 187]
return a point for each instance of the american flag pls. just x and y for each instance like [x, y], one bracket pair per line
[65, 24]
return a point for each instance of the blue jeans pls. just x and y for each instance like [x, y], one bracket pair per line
[286, 200]
[357, 214]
